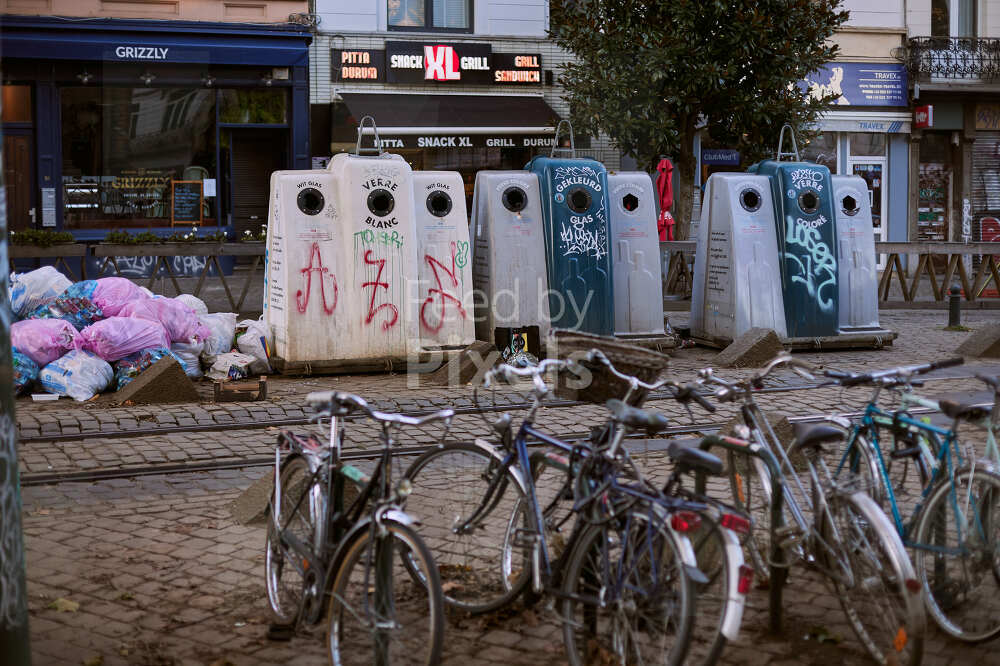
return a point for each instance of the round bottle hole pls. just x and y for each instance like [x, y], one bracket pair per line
[850, 205]
[809, 201]
[514, 199]
[438, 203]
[381, 202]
[750, 199]
[578, 200]
[630, 202]
[310, 201]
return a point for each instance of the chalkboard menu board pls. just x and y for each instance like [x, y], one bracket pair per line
[185, 201]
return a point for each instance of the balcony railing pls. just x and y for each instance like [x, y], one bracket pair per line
[953, 58]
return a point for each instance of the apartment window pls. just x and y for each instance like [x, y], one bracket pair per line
[442, 15]
[953, 18]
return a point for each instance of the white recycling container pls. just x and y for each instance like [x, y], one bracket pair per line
[341, 259]
[444, 299]
[736, 283]
[635, 248]
[856, 240]
[508, 263]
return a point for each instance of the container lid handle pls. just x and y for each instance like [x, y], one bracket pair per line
[781, 141]
[376, 148]
[555, 140]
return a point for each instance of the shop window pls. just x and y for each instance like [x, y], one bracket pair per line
[821, 150]
[430, 14]
[123, 147]
[867, 144]
[254, 107]
[934, 198]
[16, 104]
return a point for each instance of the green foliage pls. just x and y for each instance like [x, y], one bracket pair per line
[647, 72]
[39, 237]
[255, 236]
[122, 237]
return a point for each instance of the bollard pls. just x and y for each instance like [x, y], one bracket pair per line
[954, 306]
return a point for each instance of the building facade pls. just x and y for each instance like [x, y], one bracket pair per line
[458, 85]
[148, 124]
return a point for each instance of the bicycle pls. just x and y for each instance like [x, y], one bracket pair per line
[954, 527]
[334, 533]
[720, 600]
[834, 528]
[622, 581]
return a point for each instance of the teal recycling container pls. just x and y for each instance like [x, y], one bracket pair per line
[575, 210]
[802, 193]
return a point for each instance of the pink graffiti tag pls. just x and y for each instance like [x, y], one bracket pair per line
[372, 310]
[302, 300]
[445, 297]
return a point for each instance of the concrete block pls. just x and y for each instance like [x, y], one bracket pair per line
[985, 342]
[164, 381]
[251, 506]
[753, 349]
[462, 367]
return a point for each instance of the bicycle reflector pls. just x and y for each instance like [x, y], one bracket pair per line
[737, 524]
[746, 579]
[685, 521]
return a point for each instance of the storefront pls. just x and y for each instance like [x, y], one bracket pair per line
[147, 125]
[866, 134]
[445, 106]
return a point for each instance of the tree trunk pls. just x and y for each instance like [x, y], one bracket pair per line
[684, 189]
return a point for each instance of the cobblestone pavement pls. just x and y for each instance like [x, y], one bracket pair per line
[163, 574]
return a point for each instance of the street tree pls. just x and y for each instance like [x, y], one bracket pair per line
[651, 74]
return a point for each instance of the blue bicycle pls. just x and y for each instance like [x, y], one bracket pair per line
[953, 530]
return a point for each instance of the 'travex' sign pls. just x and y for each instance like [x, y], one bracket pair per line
[418, 62]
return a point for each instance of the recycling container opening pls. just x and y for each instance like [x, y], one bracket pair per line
[750, 199]
[514, 199]
[310, 201]
[438, 203]
[579, 200]
[630, 202]
[381, 202]
[850, 206]
[809, 202]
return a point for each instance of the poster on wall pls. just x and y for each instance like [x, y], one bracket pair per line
[859, 84]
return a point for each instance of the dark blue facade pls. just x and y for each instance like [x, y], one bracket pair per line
[58, 58]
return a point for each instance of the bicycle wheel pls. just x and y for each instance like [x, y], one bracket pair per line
[626, 596]
[750, 482]
[853, 462]
[478, 574]
[879, 591]
[957, 555]
[712, 597]
[286, 572]
[379, 613]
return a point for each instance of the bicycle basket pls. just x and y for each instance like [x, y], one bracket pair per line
[645, 364]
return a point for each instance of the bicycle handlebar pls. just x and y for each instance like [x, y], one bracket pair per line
[893, 374]
[339, 403]
[992, 382]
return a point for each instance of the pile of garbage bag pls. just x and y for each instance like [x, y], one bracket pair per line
[80, 339]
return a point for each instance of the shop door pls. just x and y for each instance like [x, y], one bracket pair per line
[19, 179]
[873, 173]
[253, 155]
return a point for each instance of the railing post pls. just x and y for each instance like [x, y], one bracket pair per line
[14, 647]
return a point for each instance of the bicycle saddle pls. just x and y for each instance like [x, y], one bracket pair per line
[650, 421]
[687, 454]
[810, 434]
[958, 410]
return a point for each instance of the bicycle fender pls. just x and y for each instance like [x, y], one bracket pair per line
[736, 602]
[399, 516]
[498, 456]
[363, 525]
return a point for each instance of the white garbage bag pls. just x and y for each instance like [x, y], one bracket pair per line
[251, 339]
[223, 329]
[79, 374]
[30, 291]
[190, 353]
[193, 302]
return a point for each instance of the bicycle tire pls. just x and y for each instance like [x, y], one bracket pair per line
[954, 586]
[882, 599]
[663, 612]
[750, 483]
[286, 583]
[361, 598]
[478, 574]
[712, 556]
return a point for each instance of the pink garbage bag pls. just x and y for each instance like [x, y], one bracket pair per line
[180, 321]
[115, 338]
[112, 294]
[43, 340]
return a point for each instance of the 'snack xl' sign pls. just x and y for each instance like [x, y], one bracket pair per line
[418, 62]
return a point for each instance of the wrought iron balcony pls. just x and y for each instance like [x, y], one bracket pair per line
[952, 58]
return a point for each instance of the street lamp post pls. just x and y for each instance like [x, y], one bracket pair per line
[13, 588]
